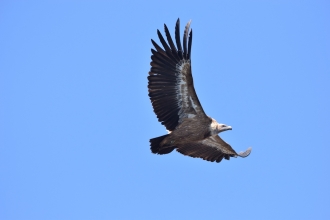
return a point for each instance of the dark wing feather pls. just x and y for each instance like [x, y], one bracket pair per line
[211, 149]
[177, 38]
[189, 44]
[170, 41]
[170, 82]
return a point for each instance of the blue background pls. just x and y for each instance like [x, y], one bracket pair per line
[76, 118]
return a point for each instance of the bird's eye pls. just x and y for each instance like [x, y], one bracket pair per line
[223, 126]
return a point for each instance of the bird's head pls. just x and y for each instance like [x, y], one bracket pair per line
[216, 128]
[223, 127]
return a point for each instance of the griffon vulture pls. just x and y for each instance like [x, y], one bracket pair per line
[174, 100]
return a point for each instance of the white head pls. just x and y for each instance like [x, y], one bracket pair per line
[216, 128]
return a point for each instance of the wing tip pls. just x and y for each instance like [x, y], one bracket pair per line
[245, 153]
[188, 24]
[178, 21]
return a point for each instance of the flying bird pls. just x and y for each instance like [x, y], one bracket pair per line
[175, 102]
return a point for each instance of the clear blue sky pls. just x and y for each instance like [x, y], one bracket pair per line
[75, 117]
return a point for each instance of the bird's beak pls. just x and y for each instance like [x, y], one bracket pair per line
[226, 128]
[223, 127]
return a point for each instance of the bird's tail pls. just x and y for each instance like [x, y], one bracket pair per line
[157, 149]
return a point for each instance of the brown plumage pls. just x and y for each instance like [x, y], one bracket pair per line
[174, 100]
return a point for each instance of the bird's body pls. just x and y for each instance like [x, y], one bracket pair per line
[191, 129]
[173, 97]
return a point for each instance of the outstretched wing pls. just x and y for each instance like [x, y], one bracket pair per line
[211, 149]
[171, 88]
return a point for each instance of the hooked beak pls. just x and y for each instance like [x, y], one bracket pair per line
[228, 128]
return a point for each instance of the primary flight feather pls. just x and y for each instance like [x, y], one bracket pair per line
[175, 102]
